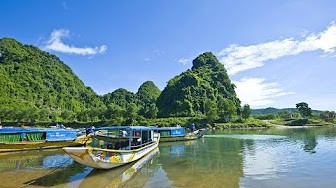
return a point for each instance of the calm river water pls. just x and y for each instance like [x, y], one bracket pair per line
[300, 157]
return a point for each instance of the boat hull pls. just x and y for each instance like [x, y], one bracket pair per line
[180, 138]
[25, 146]
[190, 136]
[107, 158]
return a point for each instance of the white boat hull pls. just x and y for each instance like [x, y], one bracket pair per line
[107, 158]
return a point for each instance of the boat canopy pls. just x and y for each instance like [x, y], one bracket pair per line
[126, 128]
[17, 134]
[170, 131]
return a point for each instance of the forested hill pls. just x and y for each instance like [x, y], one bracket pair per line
[36, 86]
[39, 82]
[206, 89]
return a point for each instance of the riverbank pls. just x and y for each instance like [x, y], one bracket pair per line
[250, 123]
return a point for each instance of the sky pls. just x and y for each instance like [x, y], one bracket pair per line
[277, 53]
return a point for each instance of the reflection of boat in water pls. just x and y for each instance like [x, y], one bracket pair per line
[17, 169]
[15, 161]
[172, 134]
[18, 139]
[110, 152]
[117, 177]
[176, 149]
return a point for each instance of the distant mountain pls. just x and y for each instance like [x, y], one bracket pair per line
[191, 93]
[271, 110]
[34, 79]
[120, 97]
[144, 99]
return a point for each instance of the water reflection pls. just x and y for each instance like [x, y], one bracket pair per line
[38, 159]
[119, 177]
[32, 165]
[301, 159]
[203, 163]
[230, 158]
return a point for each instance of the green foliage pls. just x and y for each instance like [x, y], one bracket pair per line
[246, 111]
[265, 116]
[120, 97]
[210, 110]
[36, 86]
[248, 123]
[226, 109]
[186, 94]
[328, 116]
[297, 122]
[147, 95]
[39, 85]
[304, 110]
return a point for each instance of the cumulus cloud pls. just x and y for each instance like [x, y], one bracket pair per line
[256, 92]
[55, 43]
[238, 58]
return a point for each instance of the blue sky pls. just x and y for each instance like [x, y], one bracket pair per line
[278, 53]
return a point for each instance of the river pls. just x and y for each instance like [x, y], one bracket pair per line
[300, 157]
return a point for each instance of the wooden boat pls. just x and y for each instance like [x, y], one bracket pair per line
[110, 149]
[172, 134]
[121, 176]
[21, 139]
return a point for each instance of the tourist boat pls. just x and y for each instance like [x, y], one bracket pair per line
[115, 146]
[172, 134]
[19, 138]
[121, 176]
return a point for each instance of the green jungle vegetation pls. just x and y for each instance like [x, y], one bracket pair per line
[37, 88]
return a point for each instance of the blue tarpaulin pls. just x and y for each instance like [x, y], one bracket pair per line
[58, 135]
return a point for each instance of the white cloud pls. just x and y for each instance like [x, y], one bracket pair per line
[184, 61]
[147, 60]
[238, 58]
[257, 93]
[56, 44]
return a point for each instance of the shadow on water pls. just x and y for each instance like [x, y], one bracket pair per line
[30, 166]
[59, 175]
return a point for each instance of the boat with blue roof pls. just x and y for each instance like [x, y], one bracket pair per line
[115, 146]
[26, 138]
[173, 134]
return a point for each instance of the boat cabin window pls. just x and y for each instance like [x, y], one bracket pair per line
[122, 139]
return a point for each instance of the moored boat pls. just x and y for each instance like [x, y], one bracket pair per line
[19, 139]
[115, 146]
[172, 134]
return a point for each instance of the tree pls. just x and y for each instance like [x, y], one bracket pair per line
[328, 116]
[304, 109]
[210, 110]
[226, 108]
[246, 111]
[186, 94]
[131, 113]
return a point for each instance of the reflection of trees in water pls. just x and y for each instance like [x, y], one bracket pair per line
[307, 135]
[210, 162]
